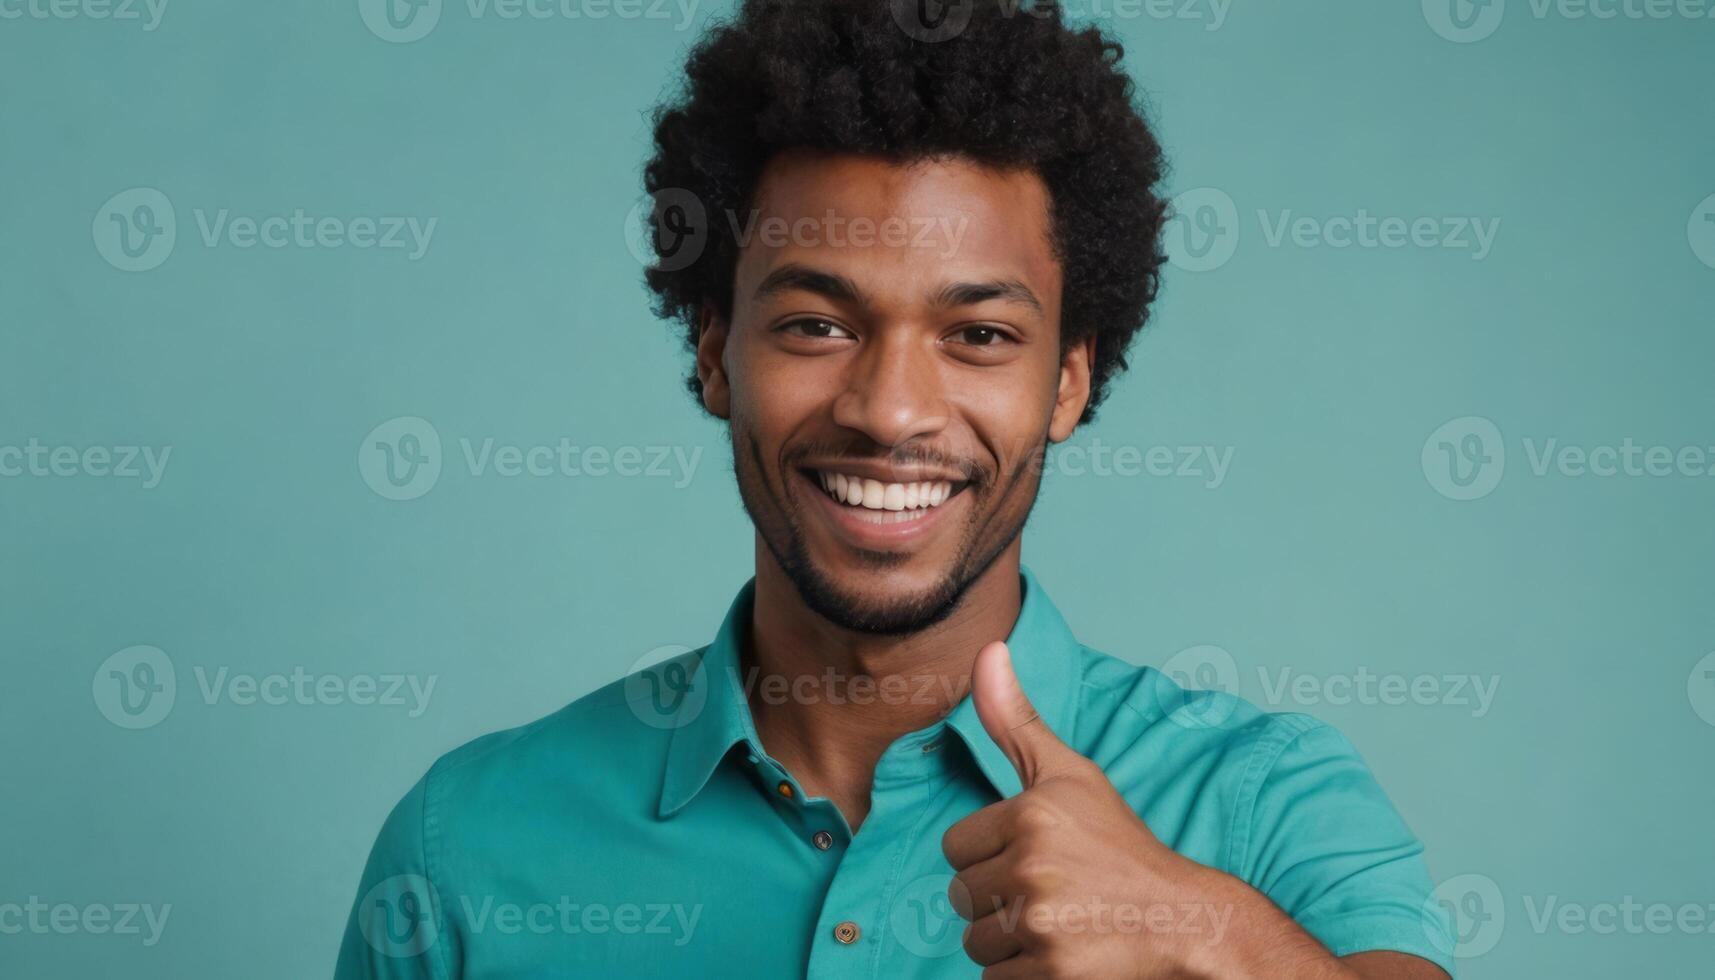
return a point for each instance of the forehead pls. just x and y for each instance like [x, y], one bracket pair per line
[900, 229]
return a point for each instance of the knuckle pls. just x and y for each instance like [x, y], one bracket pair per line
[959, 895]
[951, 839]
[1038, 926]
[1035, 817]
[1035, 872]
[1029, 824]
[970, 943]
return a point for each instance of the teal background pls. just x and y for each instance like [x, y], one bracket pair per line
[1326, 550]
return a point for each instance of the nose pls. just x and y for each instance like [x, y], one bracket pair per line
[892, 391]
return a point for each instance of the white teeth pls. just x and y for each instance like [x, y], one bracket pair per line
[874, 494]
[894, 498]
[878, 496]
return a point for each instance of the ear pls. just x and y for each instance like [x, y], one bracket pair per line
[1074, 391]
[711, 368]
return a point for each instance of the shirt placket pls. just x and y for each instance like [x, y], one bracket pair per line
[873, 865]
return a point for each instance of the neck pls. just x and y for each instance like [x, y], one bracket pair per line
[828, 701]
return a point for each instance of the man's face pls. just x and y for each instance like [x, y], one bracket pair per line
[892, 371]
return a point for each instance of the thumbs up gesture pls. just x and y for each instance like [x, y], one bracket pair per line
[1065, 880]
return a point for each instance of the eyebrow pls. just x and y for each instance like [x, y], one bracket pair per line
[794, 276]
[837, 287]
[971, 293]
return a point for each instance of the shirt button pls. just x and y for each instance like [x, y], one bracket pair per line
[847, 932]
[823, 840]
[785, 789]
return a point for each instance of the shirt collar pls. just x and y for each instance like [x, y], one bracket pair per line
[1045, 657]
[705, 729]
[1044, 653]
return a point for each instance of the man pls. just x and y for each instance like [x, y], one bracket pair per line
[920, 258]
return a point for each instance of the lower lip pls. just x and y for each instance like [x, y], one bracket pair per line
[875, 536]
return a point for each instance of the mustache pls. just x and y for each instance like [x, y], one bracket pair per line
[973, 471]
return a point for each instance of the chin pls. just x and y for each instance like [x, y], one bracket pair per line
[880, 597]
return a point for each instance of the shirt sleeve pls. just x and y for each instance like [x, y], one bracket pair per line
[1326, 845]
[398, 929]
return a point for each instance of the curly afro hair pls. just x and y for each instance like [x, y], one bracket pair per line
[1012, 86]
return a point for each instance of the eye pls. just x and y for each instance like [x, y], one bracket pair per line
[817, 328]
[983, 336]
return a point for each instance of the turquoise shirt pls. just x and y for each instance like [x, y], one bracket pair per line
[643, 831]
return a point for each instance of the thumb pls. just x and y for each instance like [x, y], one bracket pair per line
[1012, 722]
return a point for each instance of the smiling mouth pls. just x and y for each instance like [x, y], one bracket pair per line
[885, 503]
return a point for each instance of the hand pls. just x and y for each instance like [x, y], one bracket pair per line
[1065, 880]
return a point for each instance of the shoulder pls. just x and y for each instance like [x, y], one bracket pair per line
[1214, 767]
[483, 810]
[1124, 708]
[1281, 800]
[609, 744]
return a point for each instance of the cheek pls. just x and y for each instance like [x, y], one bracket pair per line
[774, 396]
[1011, 417]
[772, 406]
